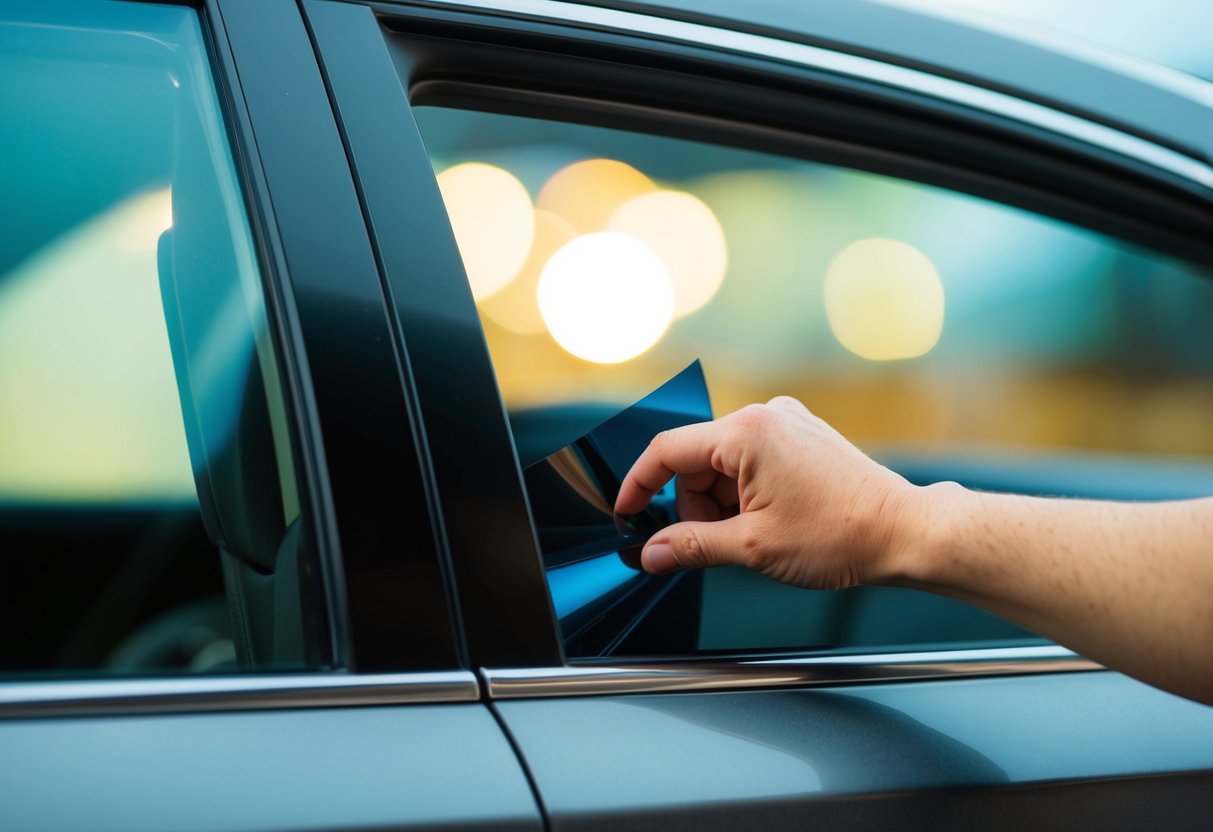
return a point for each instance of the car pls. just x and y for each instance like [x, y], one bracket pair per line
[327, 329]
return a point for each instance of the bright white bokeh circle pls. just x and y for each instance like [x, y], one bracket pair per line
[606, 297]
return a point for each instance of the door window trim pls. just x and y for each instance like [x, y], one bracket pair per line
[807, 671]
[233, 693]
[360, 399]
[902, 78]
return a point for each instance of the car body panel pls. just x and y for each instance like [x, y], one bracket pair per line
[429, 766]
[797, 754]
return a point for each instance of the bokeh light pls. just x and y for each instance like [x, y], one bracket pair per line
[685, 234]
[606, 297]
[493, 221]
[92, 411]
[146, 217]
[516, 307]
[884, 300]
[587, 193]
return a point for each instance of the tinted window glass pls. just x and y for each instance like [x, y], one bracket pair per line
[949, 336]
[145, 464]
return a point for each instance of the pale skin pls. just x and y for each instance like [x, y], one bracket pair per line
[774, 488]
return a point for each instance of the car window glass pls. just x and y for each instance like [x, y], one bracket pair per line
[949, 336]
[149, 515]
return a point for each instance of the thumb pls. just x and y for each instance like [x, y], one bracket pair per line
[695, 545]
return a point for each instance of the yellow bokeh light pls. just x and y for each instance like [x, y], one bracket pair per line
[884, 300]
[516, 307]
[493, 221]
[606, 297]
[587, 193]
[685, 234]
[91, 406]
[145, 218]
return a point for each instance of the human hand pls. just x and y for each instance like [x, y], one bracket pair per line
[774, 488]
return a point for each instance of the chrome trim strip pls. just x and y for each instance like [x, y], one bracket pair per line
[811, 671]
[868, 69]
[233, 693]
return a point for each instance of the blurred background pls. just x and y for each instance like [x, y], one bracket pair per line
[915, 319]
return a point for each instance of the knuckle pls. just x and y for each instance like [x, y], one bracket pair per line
[692, 552]
[755, 417]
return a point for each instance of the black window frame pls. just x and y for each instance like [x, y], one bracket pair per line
[388, 589]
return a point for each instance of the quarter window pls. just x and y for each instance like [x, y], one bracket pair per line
[149, 515]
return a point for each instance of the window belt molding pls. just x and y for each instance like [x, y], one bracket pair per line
[234, 693]
[588, 680]
[266, 692]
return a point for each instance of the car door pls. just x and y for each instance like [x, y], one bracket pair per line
[226, 603]
[868, 707]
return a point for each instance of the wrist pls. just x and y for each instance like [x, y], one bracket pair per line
[921, 531]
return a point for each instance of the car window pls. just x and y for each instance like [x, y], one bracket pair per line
[949, 336]
[149, 515]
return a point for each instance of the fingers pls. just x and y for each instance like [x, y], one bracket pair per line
[696, 545]
[706, 495]
[685, 450]
[693, 505]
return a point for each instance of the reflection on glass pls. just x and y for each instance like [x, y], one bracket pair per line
[144, 450]
[592, 554]
[92, 409]
[145, 218]
[580, 584]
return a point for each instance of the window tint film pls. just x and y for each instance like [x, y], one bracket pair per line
[149, 520]
[949, 336]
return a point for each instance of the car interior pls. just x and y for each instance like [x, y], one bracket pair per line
[149, 515]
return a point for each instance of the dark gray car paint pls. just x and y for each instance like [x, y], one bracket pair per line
[444, 766]
[795, 753]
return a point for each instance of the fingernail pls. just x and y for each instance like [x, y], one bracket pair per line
[659, 558]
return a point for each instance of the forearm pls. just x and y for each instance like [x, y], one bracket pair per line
[1127, 584]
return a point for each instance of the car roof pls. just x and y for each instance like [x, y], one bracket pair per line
[1163, 105]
